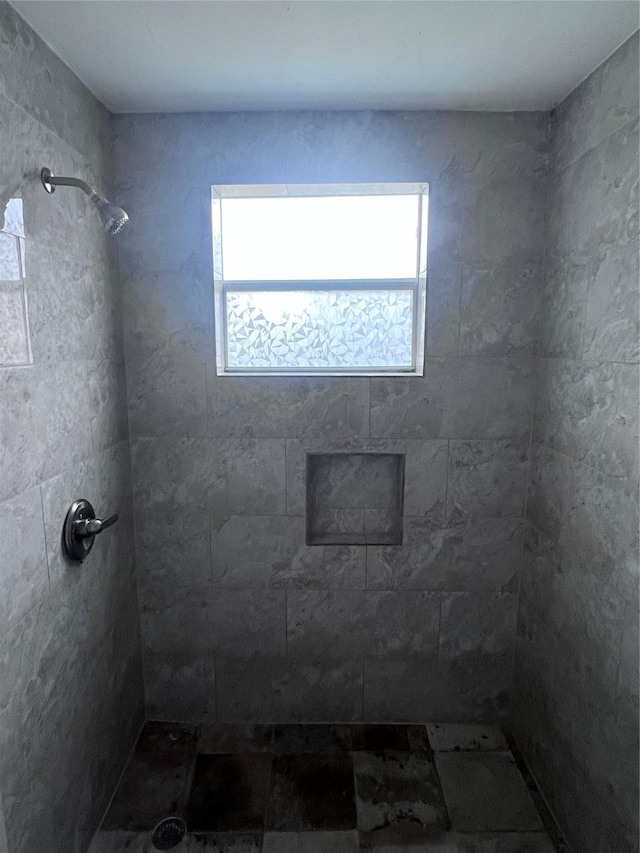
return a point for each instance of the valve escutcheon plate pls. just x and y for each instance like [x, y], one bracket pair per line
[77, 547]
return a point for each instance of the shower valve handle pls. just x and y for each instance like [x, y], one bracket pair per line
[92, 526]
[80, 529]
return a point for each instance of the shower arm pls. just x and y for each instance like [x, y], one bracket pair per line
[113, 218]
[51, 181]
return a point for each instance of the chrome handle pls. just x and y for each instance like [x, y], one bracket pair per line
[93, 526]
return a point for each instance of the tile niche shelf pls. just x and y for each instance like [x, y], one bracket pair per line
[355, 498]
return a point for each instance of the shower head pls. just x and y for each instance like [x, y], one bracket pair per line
[113, 217]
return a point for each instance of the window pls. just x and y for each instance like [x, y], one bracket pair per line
[320, 280]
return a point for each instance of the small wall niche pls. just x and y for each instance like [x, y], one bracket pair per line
[355, 498]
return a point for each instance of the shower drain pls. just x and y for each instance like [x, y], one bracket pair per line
[168, 833]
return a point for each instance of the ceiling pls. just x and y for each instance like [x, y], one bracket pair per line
[165, 56]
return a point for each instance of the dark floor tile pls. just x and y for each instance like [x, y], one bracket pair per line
[311, 792]
[166, 742]
[418, 839]
[485, 792]
[140, 842]
[418, 739]
[454, 737]
[311, 842]
[559, 842]
[384, 737]
[229, 793]
[222, 842]
[148, 791]
[399, 792]
[235, 738]
[311, 738]
[458, 842]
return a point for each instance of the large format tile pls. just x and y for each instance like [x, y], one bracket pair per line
[456, 737]
[477, 623]
[443, 305]
[229, 793]
[271, 551]
[167, 394]
[589, 411]
[294, 804]
[279, 690]
[60, 307]
[485, 792]
[466, 842]
[380, 738]
[600, 531]
[24, 578]
[398, 791]
[499, 306]
[601, 105]
[328, 624]
[288, 407]
[505, 218]
[179, 687]
[594, 204]
[40, 407]
[211, 842]
[461, 555]
[107, 387]
[227, 475]
[457, 398]
[563, 309]
[611, 322]
[149, 791]
[188, 620]
[471, 690]
[487, 478]
[311, 842]
[173, 545]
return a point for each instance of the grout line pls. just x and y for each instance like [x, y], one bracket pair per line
[446, 485]
[460, 281]
[534, 398]
[215, 688]
[44, 531]
[120, 777]
[549, 821]
[439, 623]
[286, 488]
[286, 623]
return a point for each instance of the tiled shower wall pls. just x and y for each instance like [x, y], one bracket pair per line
[70, 684]
[576, 668]
[240, 619]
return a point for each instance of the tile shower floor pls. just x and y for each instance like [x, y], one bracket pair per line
[329, 789]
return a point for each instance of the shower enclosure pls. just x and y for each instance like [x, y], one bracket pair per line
[216, 613]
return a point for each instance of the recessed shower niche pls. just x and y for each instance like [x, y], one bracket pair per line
[355, 498]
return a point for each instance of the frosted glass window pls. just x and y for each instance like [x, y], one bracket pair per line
[338, 329]
[320, 280]
[15, 345]
[339, 237]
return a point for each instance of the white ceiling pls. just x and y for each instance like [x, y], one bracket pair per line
[161, 55]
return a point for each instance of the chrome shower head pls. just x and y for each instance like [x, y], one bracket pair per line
[113, 217]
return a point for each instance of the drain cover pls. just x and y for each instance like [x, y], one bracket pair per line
[168, 833]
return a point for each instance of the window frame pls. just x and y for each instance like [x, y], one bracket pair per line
[416, 285]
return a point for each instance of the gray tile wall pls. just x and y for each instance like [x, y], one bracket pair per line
[70, 690]
[240, 619]
[576, 670]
